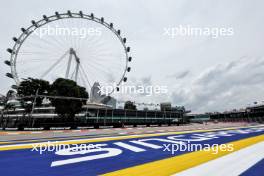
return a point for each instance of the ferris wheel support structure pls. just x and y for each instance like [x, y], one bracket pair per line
[72, 54]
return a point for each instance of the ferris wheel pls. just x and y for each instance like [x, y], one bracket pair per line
[74, 46]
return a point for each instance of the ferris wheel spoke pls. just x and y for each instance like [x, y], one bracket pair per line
[92, 72]
[71, 38]
[34, 66]
[73, 73]
[32, 56]
[76, 37]
[56, 40]
[85, 75]
[101, 64]
[50, 43]
[64, 38]
[92, 39]
[54, 65]
[33, 46]
[97, 67]
[107, 61]
[104, 66]
[79, 39]
[94, 42]
[100, 73]
[82, 81]
[61, 37]
[36, 52]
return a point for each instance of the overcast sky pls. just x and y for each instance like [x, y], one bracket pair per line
[201, 72]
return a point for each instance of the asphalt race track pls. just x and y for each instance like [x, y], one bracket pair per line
[227, 151]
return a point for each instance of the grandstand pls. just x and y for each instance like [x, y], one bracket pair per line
[250, 114]
[92, 114]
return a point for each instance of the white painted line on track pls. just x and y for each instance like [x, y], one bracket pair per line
[57, 131]
[150, 131]
[76, 130]
[12, 133]
[160, 130]
[236, 165]
[123, 133]
[36, 132]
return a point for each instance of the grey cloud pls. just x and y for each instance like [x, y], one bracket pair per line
[179, 75]
[146, 80]
[224, 86]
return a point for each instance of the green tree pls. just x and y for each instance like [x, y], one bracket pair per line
[64, 105]
[30, 87]
[2, 100]
[129, 105]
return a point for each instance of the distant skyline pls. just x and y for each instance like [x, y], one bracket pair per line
[202, 73]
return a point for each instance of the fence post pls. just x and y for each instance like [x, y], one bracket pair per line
[112, 115]
[97, 115]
